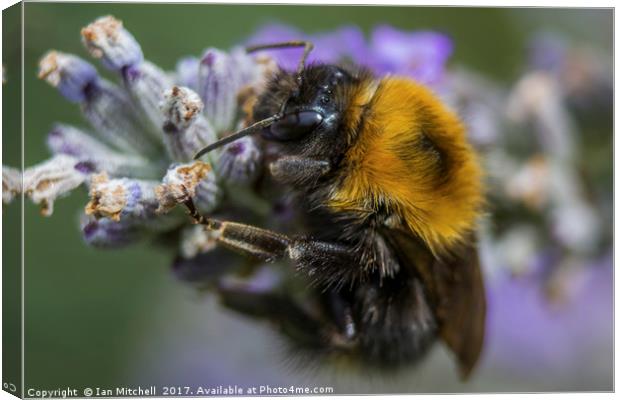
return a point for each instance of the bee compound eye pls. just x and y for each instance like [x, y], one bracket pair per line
[295, 125]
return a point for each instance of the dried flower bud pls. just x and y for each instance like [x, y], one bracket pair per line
[240, 161]
[181, 107]
[147, 83]
[187, 130]
[218, 88]
[121, 198]
[56, 177]
[181, 183]
[187, 72]
[114, 45]
[69, 74]
[11, 183]
[66, 139]
[106, 233]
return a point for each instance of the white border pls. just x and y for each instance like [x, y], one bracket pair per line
[470, 3]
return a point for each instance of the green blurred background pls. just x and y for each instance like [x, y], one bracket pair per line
[102, 318]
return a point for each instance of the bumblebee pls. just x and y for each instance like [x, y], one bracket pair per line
[390, 191]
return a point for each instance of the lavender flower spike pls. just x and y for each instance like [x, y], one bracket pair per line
[187, 130]
[54, 178]
[218, 88]
[194, 181]
[66, 139]
[114, 45]
[69, 74]
[11, 183]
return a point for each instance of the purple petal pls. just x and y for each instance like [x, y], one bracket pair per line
[419, 55]
[345, 43]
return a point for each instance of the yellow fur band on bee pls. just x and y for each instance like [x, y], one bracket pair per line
[410, 155]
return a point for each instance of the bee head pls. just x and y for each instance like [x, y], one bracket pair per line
[300, 112]
[305, 109]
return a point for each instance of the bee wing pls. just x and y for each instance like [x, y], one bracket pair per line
[456, 288]
[462, 306]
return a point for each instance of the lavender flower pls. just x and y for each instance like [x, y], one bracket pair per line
[147, 83]
[540, 329]
[130, 198]
[114, 45]
[99, 99]
[108, 234]
[185, 182]
[187, 129]
[420, 55]
[187, 72]
[346, 43]
[240, 161]
[71, 75]
[71, 141]
[218, 88]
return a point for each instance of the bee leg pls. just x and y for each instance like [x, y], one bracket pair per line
[297, 170]
[326, 263]
[256, 242]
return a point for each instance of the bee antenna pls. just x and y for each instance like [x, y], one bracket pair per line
[308, 46]
[255, 127]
